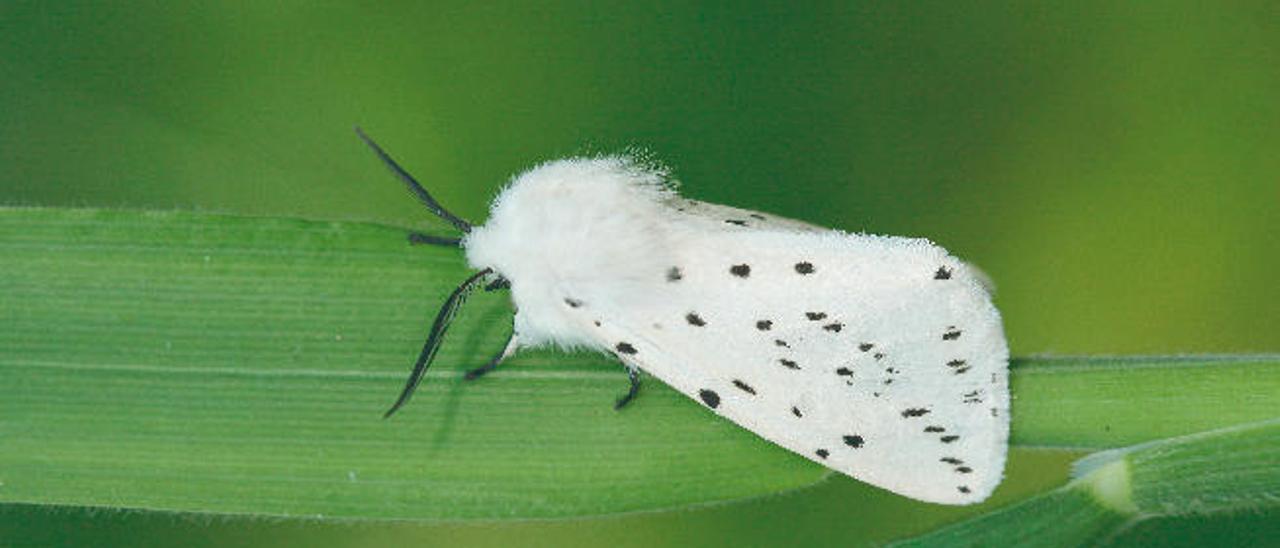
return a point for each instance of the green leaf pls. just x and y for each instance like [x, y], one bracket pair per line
[1228, 470]
[1100, 402]
[205, 363]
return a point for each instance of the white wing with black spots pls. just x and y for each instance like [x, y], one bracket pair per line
[881, 358]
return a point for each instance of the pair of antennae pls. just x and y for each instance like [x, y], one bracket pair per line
[459, 295]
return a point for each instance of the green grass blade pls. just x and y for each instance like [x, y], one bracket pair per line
[1059, 518]
[206, 363]
[1100, 402]
[216, 364]
[1234, 469]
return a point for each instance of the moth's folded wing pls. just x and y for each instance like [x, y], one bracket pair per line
[716, 216]
[882, 358]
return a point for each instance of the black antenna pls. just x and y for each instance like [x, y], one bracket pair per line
[421, 193]
[429, 349]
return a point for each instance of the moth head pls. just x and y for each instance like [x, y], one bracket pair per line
[594, 224]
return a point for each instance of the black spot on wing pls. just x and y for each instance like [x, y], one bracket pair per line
[744, 387]
[963, 470]
[625, 348]
[951, 334]
[844, 372]
[572, 302]
[833, 327]
[796, 411]
[948, 439]
[914, 412]
[694, 319]
[963, 489]
[764, 325]
[822, 453]
[943, 273]
[709, 397]
[674, 274]
[756, 216]
[805, 267]
[740, 270]
[738, 222]
[815, 316]
[951, 460]
[934, 429]
[782, 343]
[789, 364]
[854, 441]
[865, 346]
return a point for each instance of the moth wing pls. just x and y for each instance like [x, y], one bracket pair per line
[717, 217]
[878, 357]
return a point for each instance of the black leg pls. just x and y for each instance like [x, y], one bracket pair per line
[500, 283]
[478, 372]
[419, 238]
[493, 362]
[489, 366]
[633, 375]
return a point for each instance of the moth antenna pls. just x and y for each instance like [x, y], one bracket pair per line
[432, 345]
[414, 186]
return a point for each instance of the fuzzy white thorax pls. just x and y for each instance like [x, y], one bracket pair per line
[581, 227]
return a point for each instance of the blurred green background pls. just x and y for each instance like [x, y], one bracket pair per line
[1115, 167]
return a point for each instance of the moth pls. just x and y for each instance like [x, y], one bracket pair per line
[879, 357]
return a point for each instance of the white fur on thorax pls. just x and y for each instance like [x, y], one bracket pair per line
[586, 227]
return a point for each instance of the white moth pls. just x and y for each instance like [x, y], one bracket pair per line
[879, 357]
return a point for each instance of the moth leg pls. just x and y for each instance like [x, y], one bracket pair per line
[498, 358]
[633, 375]
[418, 238]
[498, 284]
